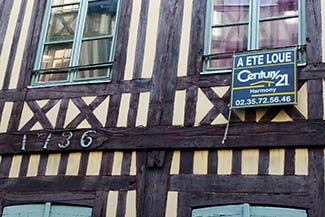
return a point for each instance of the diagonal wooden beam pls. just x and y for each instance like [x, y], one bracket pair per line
[86, 112]
[40, 114]
[44, 110]
[220, 104]
[210, 116]
[271, 113]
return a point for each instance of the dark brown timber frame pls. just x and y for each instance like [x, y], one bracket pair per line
[154, 155]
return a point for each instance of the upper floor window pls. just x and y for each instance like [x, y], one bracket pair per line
[242, 25]
[76, 42]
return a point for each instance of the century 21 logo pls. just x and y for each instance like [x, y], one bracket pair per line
[279, 79]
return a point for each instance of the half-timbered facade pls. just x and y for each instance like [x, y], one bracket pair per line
[146, 137]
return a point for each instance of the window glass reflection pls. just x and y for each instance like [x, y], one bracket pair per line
[100, 18]
[279, 33]
[230, 11]
[274, 8]
[92, 73]
[95, 51]
[62, 23]
[56, 56]
[228, 39]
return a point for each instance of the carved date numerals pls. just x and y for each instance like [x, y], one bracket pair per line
[85, 140]
[68, 136]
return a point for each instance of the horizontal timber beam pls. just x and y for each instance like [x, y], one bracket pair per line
[66, 184]
[240, 135]
[309, 72]
[205, 199]
[241, 184]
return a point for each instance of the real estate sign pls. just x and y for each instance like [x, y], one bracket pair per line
[264, 78]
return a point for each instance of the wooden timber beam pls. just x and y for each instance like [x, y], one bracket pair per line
[241, 184]
[310, 72]
[240, 135]
[67, 184]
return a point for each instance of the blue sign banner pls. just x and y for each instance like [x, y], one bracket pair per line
[264, 78]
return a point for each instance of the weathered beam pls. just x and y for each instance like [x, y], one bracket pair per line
[241, 184]
[57, 184]
[102, 89]
[156, 185]
[313, 31]
[240, 135]
[316, 171]
[122, 40]
[310, 72]
[141, 39]
[315, 99]
[205, 199]
[73, 198]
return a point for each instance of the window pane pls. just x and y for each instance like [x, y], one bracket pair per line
[100, 18]
[56, 56]
[279, 33]
[228, 39]
[230, 11]
[93, 73]
[53, 77]
[62, 23]
[60, 2]
[95, 51]
[273, 8]
[70, 211]
[35, 210]
[221, 61]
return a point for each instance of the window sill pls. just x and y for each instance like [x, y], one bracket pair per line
[216, 71]
[229, 70]
[57, 84]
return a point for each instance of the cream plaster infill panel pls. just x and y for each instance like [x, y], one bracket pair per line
[151, 38]
[172, 204]
[200, 162]
[179, 108]
[5, 118]
[21, 45]
[111, 203]
[131, 204]
[143, 108]
[185, 39]
[8, 40]
[131, 50]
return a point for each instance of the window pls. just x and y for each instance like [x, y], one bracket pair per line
[76, 42]
[46, 210]
[242, 25]
[246, 210]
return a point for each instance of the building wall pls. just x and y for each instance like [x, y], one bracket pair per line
[157, 127]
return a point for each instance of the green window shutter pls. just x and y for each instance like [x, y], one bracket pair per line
[245, 210]
[46, 210]
[69, 211]
[24, 211]
[276, 212]
[220, 211]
